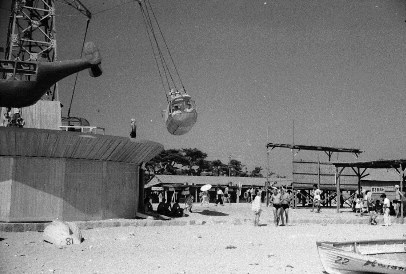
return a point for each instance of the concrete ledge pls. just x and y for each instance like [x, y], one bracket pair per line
[84, 225]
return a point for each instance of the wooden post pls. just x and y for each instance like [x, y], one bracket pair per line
[402, 172]
[359, 180]
[196, 201]
[337, 181]
[318, 172]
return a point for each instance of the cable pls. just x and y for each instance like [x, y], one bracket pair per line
[76, 78]
[149, 29]
[166, 45]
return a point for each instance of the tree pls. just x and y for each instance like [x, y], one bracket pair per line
[256, 172]
[217, 167]
[194, 157]
[236, 167]
[164, 163]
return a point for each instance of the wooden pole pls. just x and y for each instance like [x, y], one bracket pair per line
[318, 172]
[337, 181]
[402, 172]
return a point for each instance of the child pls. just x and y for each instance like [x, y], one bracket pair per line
[256, 207]
[373, 213]
[358, 204]
[189, 203]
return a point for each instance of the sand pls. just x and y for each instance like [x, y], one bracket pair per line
[215, 247]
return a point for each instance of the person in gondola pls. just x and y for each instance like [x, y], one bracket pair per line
[176, 110]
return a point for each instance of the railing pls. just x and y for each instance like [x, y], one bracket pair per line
[84, 129]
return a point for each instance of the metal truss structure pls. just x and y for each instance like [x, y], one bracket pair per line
[32, 34]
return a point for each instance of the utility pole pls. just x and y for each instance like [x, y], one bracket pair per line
[229, 166]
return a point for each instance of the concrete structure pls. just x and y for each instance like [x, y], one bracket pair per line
[49, 174]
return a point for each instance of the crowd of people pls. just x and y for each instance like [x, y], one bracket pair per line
[281, 200]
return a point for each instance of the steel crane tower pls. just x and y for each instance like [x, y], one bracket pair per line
[32, 33]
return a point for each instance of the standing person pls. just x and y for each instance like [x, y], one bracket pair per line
[256, 207]
[373, 214]
[226, 196]
[316, 198]
[397, 202]
[276, 205]
[133, 132]
[189, 203]
[248, 192]
[219, 196]
[358, 204]
[253, 192]
[285, 202]
[386, 210]
[160, 197]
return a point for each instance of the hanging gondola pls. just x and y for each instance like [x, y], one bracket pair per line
[180, 114]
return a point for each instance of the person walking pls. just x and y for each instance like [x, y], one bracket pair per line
[386, 210]
[219, 196]
[256, 208]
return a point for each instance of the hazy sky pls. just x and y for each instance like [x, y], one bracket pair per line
[334, 67]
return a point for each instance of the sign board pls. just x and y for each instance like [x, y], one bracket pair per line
[157, 188]
[380, 189]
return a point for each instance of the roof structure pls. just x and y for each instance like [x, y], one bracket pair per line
[328, 150]
[176, 180]
[373, 164]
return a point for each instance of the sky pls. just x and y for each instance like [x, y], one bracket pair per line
[321, 72]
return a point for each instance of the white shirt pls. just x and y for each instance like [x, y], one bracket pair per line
[256, 204]
[386, 202]
[317, 194]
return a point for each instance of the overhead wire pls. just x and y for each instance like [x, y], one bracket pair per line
[161, 54]
[166, 45]
[150, 33]
[76, 77]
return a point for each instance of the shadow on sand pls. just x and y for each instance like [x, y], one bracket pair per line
[211, 213]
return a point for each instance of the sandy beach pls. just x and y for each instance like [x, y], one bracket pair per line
[227, 242]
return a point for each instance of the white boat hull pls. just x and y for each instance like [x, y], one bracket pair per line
[339, 259]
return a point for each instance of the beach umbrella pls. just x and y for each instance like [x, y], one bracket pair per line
[205, 187]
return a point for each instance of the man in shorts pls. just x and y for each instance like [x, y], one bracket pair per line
[316, 198]
[276, 205]
[285, 202]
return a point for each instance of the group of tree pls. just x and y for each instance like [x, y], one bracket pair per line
[192, 162]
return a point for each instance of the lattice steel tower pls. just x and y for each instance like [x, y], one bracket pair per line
[32, 33]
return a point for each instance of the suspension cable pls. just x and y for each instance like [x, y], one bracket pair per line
[76, 78]
[166, 45]
[149, 30]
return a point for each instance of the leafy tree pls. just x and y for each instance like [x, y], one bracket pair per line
[194, 157]
[256, 172]
[236, 167]
[217, 167]
[164, 163]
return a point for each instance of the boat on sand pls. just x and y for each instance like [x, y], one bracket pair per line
[376, 256]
